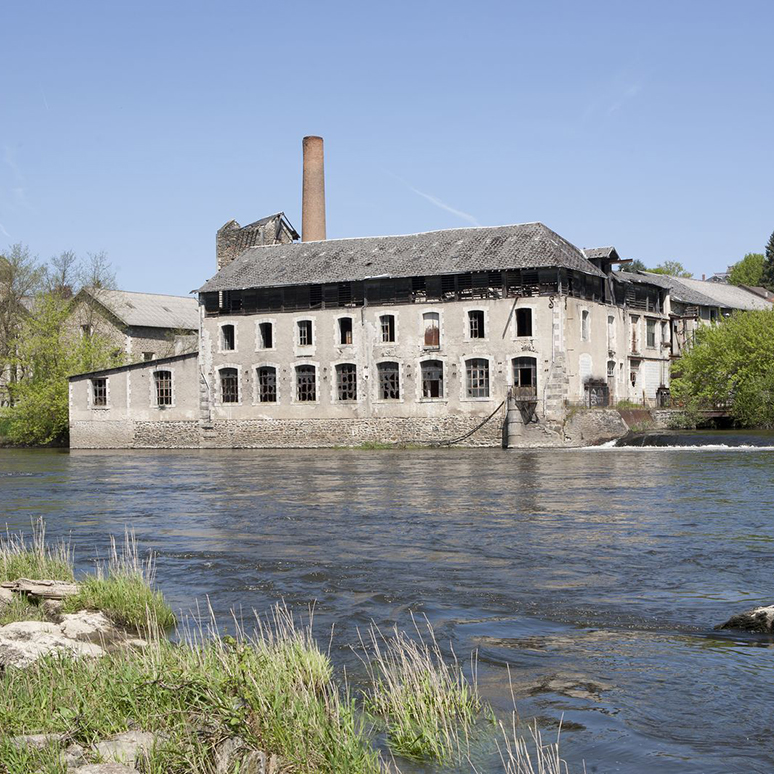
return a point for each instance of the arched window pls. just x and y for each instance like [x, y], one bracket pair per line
[346, 381]
[432, 379]
[389, 381]
[525, 377]
[229, 385]
[163, 384]
[267, 384]
[477, 374]
[306, 384]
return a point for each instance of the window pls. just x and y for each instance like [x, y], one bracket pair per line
[267, 383]
[585, 325]
[229, 385]
[346, 381]
[432, 323]
[432, 379]
[99, 392]
[265, 335]
[610, 332]
[146, 356]
[345, 330]
[387, 323]
[664, 333]
[306, 381]
[635, 320]
[611, 369]
[651, 333]
[525, 377]
[163, 382]
[523, 322]
[304, 333]
[477, 372]
[227, 338]
[389, 381]
[476, 324]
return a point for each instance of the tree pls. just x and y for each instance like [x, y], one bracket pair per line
[635, 265]
[673, 268]
[748, 271]
[768, 272]
[731, 363]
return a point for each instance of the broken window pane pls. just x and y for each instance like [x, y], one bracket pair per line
[346, 381]
[477, 371]
[99, 392]
[388, 327]
[229, 385]
[476, 324]
[267, 384]
[304, 333]
[389, 381]
[432, 379]
[163, 380]
[306, 387]
[345, 330]
[227, 337]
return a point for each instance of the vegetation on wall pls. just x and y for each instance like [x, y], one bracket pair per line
[39, 347]
[731, 364]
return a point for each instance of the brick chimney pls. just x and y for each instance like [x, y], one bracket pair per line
[313, 199]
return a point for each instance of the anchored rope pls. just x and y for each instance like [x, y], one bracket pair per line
[474, 430]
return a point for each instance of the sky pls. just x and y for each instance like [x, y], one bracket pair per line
[139, 128]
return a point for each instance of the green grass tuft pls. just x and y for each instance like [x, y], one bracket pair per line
[20, 609]
[19, 559]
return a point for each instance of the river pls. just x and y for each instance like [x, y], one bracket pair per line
[596, 576]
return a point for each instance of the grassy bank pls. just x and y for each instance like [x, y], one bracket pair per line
[273, 689]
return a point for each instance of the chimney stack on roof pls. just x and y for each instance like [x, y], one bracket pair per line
[313, 199]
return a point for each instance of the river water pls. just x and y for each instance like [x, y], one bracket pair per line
[594, 576]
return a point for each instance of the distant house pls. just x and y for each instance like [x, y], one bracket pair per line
[144, 326]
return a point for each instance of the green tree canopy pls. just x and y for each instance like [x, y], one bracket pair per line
[731, 363]
[768, 270]
[635, 265]
[748, 271]
[673, 268]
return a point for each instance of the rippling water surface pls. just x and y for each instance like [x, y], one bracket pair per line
[596, 576]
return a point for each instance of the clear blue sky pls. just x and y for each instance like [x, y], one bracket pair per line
[139, 128]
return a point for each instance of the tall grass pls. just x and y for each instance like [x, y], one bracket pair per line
[123, 589]
[19, 559]
[428, 706]
[520, 755]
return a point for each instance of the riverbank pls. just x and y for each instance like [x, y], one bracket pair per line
[84, 690]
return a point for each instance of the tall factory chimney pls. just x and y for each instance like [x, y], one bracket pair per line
[313, 199]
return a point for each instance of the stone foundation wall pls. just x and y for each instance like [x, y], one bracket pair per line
[285, 433]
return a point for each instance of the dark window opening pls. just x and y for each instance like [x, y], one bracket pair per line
[99, 392]
[227, 337]
[651, 333]
[345, 330]
[266, 335]
[432, 379]
[229, 385]
[389, 381]
[306, 387]
[163, 381]
[304, 333]
[477, 371]
[432, 329]
[476, 324]
[523, 322]
[525, 377]
[267, 384]
[388, 327]
[346, 381]
[146, 356]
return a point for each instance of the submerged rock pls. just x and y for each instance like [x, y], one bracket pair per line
[759, 619]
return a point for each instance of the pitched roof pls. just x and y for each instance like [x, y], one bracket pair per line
[601, 252]
[699, 292]
[451, 251]
[150, 310]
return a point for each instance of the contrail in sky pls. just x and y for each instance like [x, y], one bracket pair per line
[436, 201]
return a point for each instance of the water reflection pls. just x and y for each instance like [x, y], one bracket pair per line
[596, 575]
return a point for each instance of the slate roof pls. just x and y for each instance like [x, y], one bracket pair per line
[699, 292]
[151, 310]
[451, 251]
[600, 252]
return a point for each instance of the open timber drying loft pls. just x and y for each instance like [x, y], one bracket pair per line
[397, 339]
